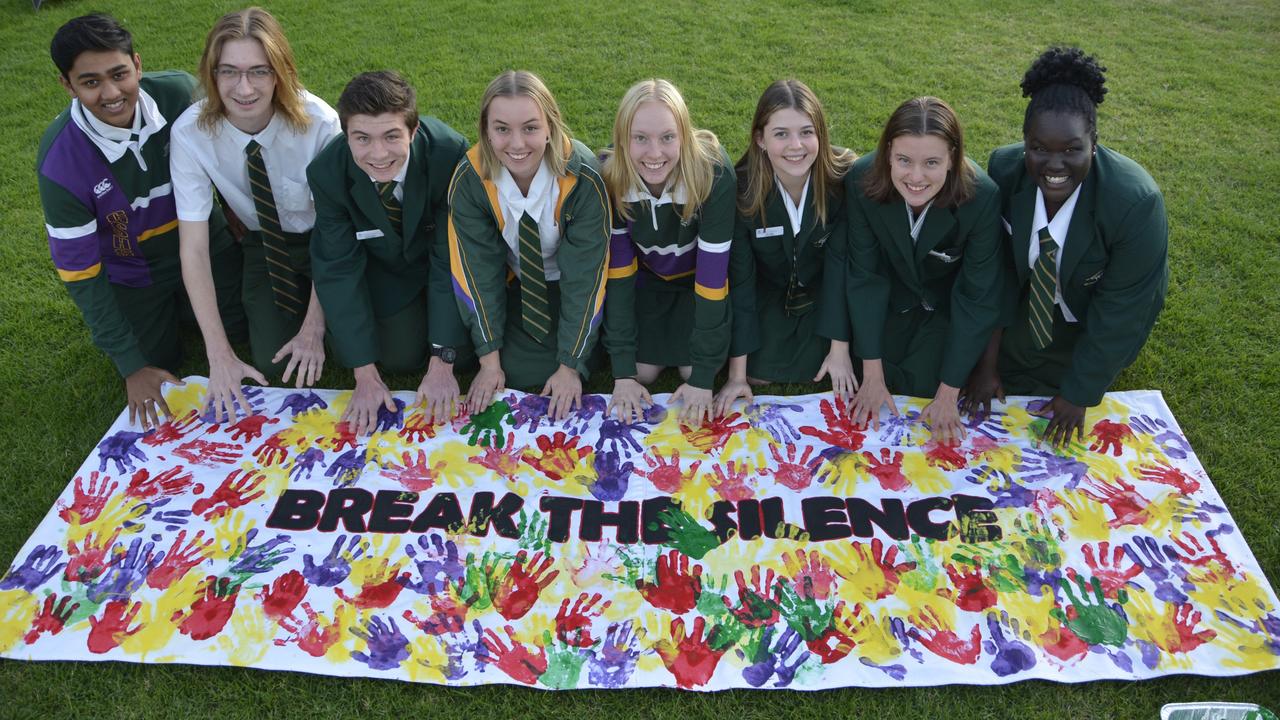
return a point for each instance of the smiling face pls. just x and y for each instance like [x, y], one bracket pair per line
[518, 133]
[379, 143]
[654, 146]
[918, 166]
[246, 84]
[106, 83]
[1059, 152]
[790, 140]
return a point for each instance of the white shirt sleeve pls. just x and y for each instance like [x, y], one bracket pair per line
[192, 188]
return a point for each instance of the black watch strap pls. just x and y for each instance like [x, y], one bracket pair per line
[444, 352]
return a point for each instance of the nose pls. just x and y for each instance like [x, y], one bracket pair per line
[242, 83]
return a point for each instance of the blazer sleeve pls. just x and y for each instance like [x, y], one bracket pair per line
[477, 261]
[1122, 311]
[977, 292]
[742, 286]
[583, 258]
[338, 263]
[867, 280]
[446, 326]
[712, 314]
[620, 301]
[833, 307]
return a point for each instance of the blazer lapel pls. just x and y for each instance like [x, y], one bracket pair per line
[1080, 232]
[893, 218]
[1022, 207]
[365, 195]
[937, 224]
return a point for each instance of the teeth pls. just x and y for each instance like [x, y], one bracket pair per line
[1056, 179]
[518, 156]
[917, 188]
[654, 166]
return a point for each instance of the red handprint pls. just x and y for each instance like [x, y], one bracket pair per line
[689, 658]
[946, 457]
[87, 503]
[1185, 618]
[758, 604]
[209, 454]
[1128, 505]
[211, 611]
[839, 429]
[416, 474]
[417, 428]
[51, 618]
[1109, 437]
[559, 455]
[516, 594]
[170, 483]
[179, 560]
[108, 631]
[1192, 551]
[837, 641]
[250, 428]
[235, 491]
[791, 472]
[315, 637]
[89, 560]
[505, 460]
[344, 437]
[448, 614]
[1109, 570]
[969, 591]
[713, 434]
[811, 574]
[732, 485]
[887, 469]
[377, 593]
[677, 588]
[516, 661]
[573, 625]
[1063, 644]
[1166, 474]
[665, 474]
[273, 451]
[934, 635]
[282, 596]
[172, 431]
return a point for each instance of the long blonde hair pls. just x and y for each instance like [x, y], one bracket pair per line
[699, 149]
[755, 170]
[522, 83]
[252, 23]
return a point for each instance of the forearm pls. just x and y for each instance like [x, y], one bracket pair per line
[197, 276]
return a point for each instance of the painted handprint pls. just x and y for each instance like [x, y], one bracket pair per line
[235, 491]
[122, 449]
[485, 427]
[676, 587]
[515, 594]
[838, 429]
[665, 473]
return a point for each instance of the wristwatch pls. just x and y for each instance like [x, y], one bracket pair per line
[444, 352]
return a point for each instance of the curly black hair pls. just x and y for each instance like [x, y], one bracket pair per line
[1065, 80]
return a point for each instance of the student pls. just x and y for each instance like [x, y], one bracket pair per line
[379, 251]
[251, 138]
[924, 265]
[790, 205]
[673, 193]
[1089, 247]
[109, 211]
[528, 203]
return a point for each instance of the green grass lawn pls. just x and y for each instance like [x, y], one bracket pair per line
[1194, 91]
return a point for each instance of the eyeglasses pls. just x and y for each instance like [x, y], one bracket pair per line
[257, 75]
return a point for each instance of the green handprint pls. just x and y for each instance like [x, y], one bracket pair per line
[486, 426]
[1096, 623]
[564, 663]
[475, 583]
[927, 574]
[686, 535]
[533, 532]
[803, 613]
[1039, 544]
[711, 601]
[634, 564]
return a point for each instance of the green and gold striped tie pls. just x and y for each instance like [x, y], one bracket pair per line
[395, 211]
[798, 301]
[1044, 288]
[534, 308]
[286, 285]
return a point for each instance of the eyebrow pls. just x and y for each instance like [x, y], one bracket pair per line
[112, 71]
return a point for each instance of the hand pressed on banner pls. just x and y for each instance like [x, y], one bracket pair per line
[1064, 419]
[144, 390]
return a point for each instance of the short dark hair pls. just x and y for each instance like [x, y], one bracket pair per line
[923, 116]
[375, 93]
[88, 33]
[1064, 79]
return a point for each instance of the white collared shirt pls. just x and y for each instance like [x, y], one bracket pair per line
[1058, 228]
[114, 141]
[677, 195]
[795, 213]
[540, 203]
[916, 222]
[201, 161]
[398, 191]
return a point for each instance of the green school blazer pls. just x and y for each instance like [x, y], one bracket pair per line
[954, 267]
[362, 268]
[1115, 265]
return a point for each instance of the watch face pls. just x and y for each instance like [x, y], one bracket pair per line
[448, 354]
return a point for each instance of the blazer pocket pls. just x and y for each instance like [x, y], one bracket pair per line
[947, 256]
[294, 196]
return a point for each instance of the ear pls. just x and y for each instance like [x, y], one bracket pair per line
[759, 138]
[66, 85]
[137, 63]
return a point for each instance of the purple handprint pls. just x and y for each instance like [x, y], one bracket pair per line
[391, 419]
[1151, 558]
[261, 558]
[1012, 655]
[613, 667]
[529, 409]
[989, 425]
[346, 470]
[305, 464]
[336, 566]
[39, 566]
[126, 573]
[1040, 466]
[1170, 441]
[781, 659]
[456, 646]
[896, 429]
[1005, 491]
[773, 418]
[591, 407]
[252, 394]
[619, 435]
[300, 402]
[388, 647]
[122, 448]
[612, 476]
[438, 564]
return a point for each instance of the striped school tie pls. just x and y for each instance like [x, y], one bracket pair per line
[798, 301]
[535, 310]
[395, 211]
[286, 284]
[1044, 287]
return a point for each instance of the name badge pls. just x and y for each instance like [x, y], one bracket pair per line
[769, 232]
[367, 234]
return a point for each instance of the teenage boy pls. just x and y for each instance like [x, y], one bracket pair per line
[379, 248]
[103, 169]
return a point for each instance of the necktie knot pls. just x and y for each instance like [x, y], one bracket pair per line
[386, 190]
[253, 149]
